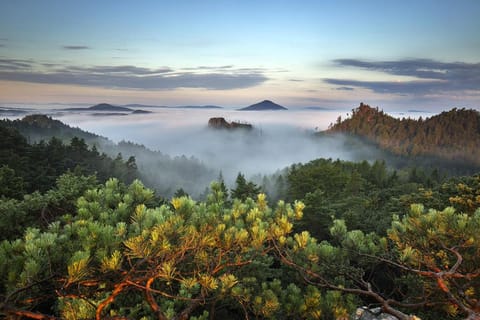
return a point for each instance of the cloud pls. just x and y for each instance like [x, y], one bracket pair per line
[129, 77]
[126, 69]
[2, 45]
[15, 64]
[407, 87]
[345, 88]
[432, 76]
[76, 47]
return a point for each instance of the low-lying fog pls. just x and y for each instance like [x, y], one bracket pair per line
[279, 138]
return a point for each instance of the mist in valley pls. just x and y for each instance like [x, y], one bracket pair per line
[192, 154]
[174, 148]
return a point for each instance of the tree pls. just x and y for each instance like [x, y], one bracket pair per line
[442, 248]
[41, 209]
[118, 255]
[244, 189]
[11, 185]
[434, 252]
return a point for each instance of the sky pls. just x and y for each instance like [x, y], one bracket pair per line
[335, 54]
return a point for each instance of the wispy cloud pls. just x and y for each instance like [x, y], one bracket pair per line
[15, 64]
[432, 76]
[125, 69]
[216, 68]
[129, 77]
[76, 47]
[345, 88]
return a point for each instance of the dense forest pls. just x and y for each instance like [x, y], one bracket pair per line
[162, 172]
[451, 135]
[83, 238]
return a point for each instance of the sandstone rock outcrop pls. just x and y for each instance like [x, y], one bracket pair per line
[221, 123]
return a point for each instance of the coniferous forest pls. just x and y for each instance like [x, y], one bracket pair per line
[87, 233]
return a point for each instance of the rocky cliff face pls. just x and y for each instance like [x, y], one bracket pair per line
[221, 123]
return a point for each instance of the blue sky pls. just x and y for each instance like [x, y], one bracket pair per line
[407, 54]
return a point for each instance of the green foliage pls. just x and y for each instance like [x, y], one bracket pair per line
[39, 210]
[28, 168]
[157, 170]
[119, 253]
[364, 195]
[244, 189]
[77, 250]
[442, 249]
[11, 186]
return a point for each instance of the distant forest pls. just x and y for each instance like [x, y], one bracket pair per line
[157, 170]
[451, 135]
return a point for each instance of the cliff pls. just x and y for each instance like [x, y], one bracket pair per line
[221, 123]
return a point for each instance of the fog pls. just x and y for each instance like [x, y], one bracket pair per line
[279, 139]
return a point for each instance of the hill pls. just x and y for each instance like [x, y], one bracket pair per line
[264, 105]
[38, 127]
[36, 166]
[105, 107]
[452, 135]
[157, 170]
[108, 107]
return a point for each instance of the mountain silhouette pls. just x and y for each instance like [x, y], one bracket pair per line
[264, 105]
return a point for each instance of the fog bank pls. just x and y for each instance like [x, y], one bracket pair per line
[279, 138]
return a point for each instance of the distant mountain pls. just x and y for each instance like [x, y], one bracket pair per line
[174, 107]
[418, 111]
[138, 111]
[452, 135]
[108, 110]
[108, 107]
[12, 111]
[264, 105]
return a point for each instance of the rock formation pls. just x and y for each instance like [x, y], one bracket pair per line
[221, 123]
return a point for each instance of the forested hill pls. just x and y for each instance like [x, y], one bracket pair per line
[37, 127]
[157, 170]
[452, 135]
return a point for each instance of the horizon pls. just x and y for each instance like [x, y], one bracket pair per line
[50, 107]
[397, 56]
